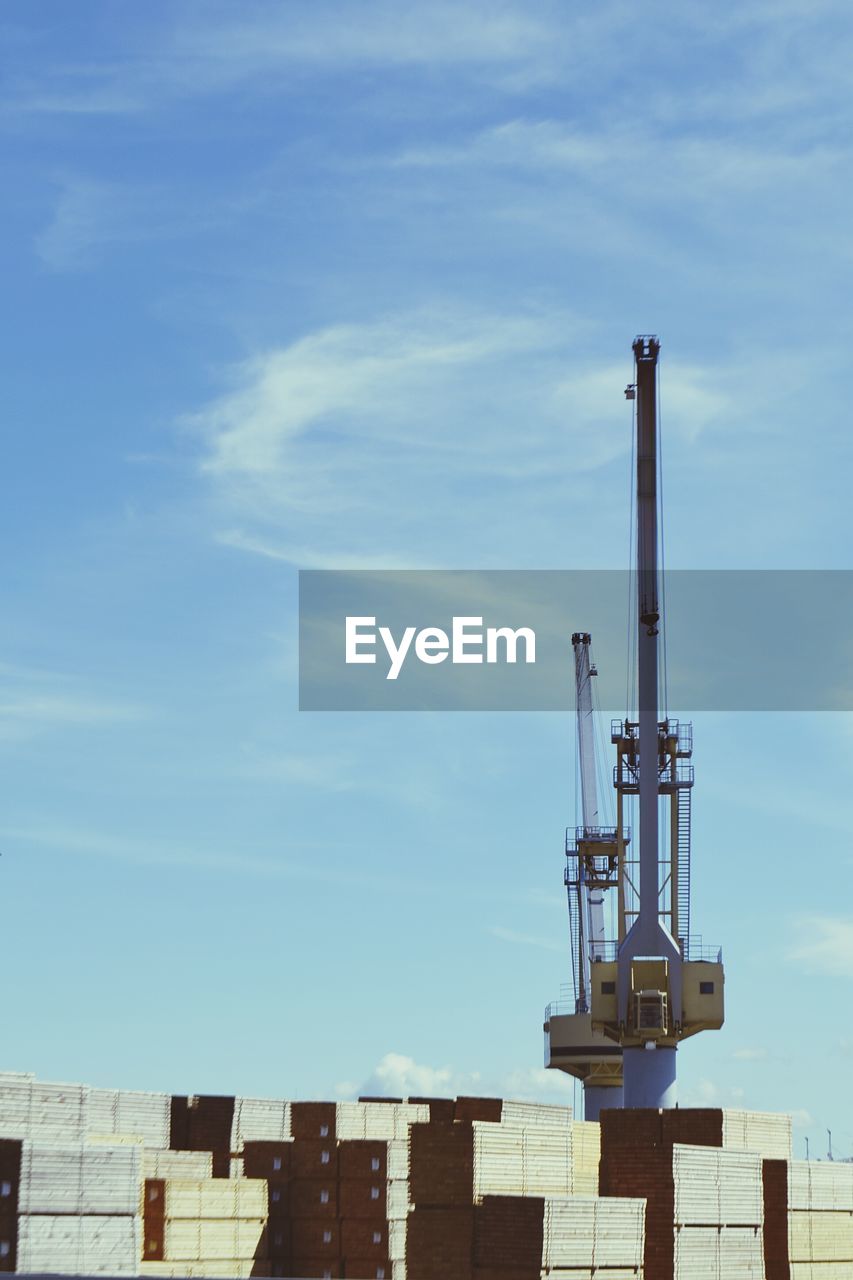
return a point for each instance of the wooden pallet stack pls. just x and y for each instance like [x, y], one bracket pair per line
[820, 1220]
[78, 1208]
[639, 1158]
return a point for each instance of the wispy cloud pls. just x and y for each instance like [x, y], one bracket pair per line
[33, 702]
[199, 53]
[93, 215]
[319, 448]
[826, 945]
[526, 939]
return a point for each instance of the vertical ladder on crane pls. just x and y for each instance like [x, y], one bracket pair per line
[683, 863]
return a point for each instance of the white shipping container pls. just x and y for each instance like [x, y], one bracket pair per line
[569, 1232]
[819, 1184]
[593, 1232]
[823, 1235]
[188, 1240]
[697, 1253]
[86, 1245]
[397, 1200]
[81, 1179]
[259, 1120]
[547, 1161]
[620, 1228]
[498, 1159]
[820, 1270]
[741, 1251]
[380, 1121]
[766, 1133]
[397, 1240]
[233, 1268]
[586, 1157]
[536, 1113]
[717, 1187]
[48, 1112]
[215, 1198]
[179, 1164]
[130, 1112]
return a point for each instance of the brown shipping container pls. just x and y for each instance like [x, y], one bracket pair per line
[153, 1225]
[278, 1198]
[10, 1159]
[441, 1110]
[774, 1175]
[508, 1232]
[267, 1159]
[10, 1176]
[279, 1239]
[440, 1243]
[313, 1198]
[524, 1273]
[313, 1120]
[367, 1268]
[361, 1238]
[441, 1164]
[358, 1158]
[314, 1158]
[314, 1238]
[319, 1267]
[362, 1199]
[478, 1109]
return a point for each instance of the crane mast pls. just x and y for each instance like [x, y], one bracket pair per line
[652, 986]
[591, 888]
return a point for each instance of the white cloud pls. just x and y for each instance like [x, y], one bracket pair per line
[826, 945]
[399, 1076]
[750, 1055]
[214, 49]
[326, 452]
[709, 1093]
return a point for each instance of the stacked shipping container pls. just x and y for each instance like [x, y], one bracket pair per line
[109, 1182]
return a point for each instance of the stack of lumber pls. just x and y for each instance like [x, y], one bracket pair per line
[820, 1220]
[78, 1209]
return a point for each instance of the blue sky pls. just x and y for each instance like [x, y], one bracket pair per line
[354, 285]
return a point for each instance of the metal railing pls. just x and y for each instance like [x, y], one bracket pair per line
[607, 835]
[694, 948]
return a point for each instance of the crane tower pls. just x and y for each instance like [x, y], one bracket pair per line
[640, 994]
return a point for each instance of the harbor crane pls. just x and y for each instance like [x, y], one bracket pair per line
[642, 992]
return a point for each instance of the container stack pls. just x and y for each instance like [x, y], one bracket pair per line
[820, 1220]
[586, 1157]
[117, 1112]
[509, 1235]
[78, 1209]
[588, 1237]
[10, 1178]
[212, 1226]
[638, 1159]
[203, 1124]
[719, 1214]
[43, 1112]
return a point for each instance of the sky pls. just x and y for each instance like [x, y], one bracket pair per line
[354, 285]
